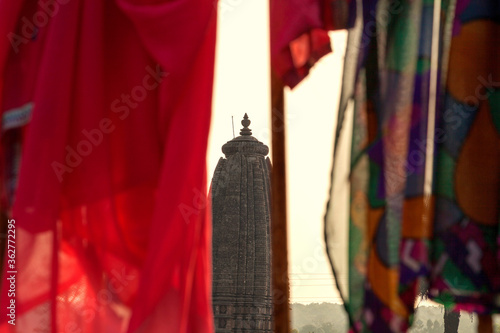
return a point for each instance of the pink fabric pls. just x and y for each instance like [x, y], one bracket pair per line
[112, 225]
[299, 34]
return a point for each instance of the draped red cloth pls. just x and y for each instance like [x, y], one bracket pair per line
[299, 34]
[112, 222]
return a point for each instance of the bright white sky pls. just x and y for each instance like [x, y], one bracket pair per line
[242, 85]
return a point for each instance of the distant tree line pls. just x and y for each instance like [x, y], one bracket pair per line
[331, 318]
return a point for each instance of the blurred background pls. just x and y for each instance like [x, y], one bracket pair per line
[242, 86]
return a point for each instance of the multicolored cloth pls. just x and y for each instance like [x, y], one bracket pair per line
[465, 251]
[396, 235]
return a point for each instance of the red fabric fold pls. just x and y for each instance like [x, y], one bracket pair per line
[113, 228]
[299, 34]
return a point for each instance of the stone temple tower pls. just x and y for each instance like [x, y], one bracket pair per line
[242, 295]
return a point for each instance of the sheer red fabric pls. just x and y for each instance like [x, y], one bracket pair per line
[299, 34]
[112, 222]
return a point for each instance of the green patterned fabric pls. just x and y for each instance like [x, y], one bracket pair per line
[397, 236]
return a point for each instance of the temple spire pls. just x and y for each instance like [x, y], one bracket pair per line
[245, 122]
[241, 242]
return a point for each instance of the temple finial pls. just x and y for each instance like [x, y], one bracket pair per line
[245, 122]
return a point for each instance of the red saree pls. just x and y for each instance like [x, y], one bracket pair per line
[112, 228]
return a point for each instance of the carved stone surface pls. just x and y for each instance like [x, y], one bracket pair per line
[242, 295]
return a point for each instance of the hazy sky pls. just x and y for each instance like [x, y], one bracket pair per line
[242, 85]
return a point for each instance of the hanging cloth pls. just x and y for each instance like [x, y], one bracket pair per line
[395, 235]
[112, 225]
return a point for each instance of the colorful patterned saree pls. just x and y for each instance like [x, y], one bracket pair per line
[396, 235]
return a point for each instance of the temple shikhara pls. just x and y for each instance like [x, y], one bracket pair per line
[242, 294]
